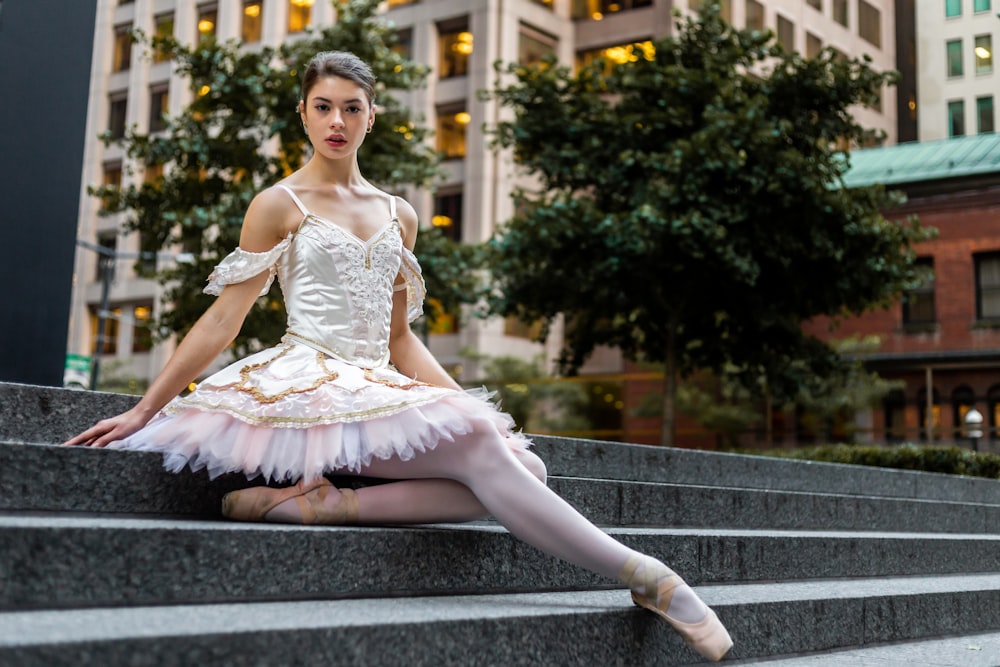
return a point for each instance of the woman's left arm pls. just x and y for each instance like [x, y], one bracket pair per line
[407, 352]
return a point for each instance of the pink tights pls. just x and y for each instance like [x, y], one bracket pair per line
[479, 475]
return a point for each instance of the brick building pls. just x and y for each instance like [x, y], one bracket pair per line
[943, 339]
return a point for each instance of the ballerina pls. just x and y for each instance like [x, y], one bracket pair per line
[350, 389]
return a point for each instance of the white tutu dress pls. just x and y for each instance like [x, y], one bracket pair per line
[325, 398]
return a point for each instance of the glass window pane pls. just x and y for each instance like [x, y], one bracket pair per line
[253, 17]
[983, 50]
[954, 51]
[984, 115]
[299, 15]
[755, 15]
[988, 285]
[786, 33]
[840, 12]
[122, 54]
[953, 8]
[981, 5]
[815, 4]
[164, 29]
[454, 48]
[813, 45]
[869, 23]
[450, 134]
[956, 118]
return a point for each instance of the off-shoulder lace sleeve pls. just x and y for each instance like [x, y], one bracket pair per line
[241, 265]
[413, 283]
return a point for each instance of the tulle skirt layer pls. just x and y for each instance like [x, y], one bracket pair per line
[291, 412]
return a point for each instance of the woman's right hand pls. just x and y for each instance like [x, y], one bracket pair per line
[111, 429]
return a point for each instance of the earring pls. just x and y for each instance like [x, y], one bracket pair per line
[369, 130]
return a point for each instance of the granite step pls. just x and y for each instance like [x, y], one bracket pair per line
[72, 561]
[46, 415]
[585, 627]
[61, 479]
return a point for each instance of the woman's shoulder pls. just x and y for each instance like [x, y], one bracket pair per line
[407, 219]
[272, 212]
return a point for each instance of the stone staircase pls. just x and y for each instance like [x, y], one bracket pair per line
[105, 559]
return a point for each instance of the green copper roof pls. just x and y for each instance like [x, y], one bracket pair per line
[925, 161]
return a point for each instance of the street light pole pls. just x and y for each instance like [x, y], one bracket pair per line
[974, 427]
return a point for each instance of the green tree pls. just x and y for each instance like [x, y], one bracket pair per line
[690, 207]
[240, 134]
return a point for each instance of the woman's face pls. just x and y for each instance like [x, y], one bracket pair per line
[336, 115]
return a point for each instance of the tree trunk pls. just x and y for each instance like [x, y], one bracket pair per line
[669, 427]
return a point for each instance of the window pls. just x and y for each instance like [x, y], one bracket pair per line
[107, 240]
[963, 399]
[400, 3]
[840, 12]
[894, 407]
[545, 3]
[208, 19]
[142, 332]
[786, 33]
[253, 21]
[952, 8]
[984, 54]
[956, 118]
[455, 47]
[984, 115]
[598, 9]
[617, 55]
[725, 8]
[755, 15]
[448, 214]
[953, 49]
[987, 286]
[918, 303]
[980, 6]
[122, 54]
[159, 106]
[117, 110]
[816, 4]
[163, 28]
[451, 124]
[813, 45]
[533, 45]
[110, 346]
[404, 44]
[869, 23]
[299, 14]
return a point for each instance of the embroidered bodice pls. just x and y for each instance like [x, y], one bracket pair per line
[337, 287]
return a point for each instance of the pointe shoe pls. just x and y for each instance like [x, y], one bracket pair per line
[254, 503]
[708, 636]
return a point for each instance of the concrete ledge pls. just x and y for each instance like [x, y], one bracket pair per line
[57, 562]
[595, 627]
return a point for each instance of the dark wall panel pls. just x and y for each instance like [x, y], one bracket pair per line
[45, 54]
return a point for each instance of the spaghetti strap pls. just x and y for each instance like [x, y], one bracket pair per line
[298, 202]
[392, 207]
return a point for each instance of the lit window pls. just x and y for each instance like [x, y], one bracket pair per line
[533, 45]
[962, 400]
[207, 22]
[918, 303]
[299, 14]
[253, 21]
[984, 54]
[869, 23]
[618, 55]
[545, 3]
[984, 115]
[596, 10]
[956, 118]
[952, 8]
[953, 49]
[840, 12]
[448, 214]
[455, 47]
[813, 45]
[159, 106]
[934, 419]
[110, 331]
[122, 54]
[142, 332]
[786, 33]
[164, 29]
[451, 124]
[755, 15]
[988, 286]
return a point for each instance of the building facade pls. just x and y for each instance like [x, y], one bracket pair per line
[957, 83]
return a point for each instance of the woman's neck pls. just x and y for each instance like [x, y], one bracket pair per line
[344, 172]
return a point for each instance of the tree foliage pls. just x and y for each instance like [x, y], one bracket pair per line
[241, 133]
[690, 207]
